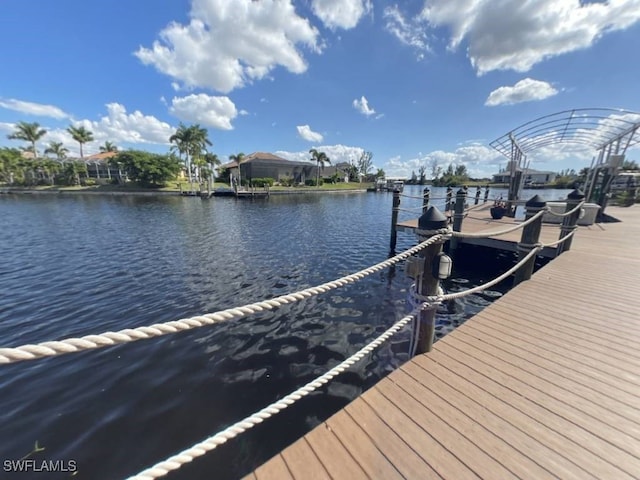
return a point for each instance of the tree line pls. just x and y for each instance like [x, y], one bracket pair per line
[190, 150]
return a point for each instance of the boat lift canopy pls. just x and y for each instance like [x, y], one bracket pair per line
[610, 132]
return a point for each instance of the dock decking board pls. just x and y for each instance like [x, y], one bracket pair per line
[543, 383]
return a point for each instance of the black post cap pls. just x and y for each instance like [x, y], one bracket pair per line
[462, 191]
[576, 195]
[535, 202]
[432, 219]
[426, 190]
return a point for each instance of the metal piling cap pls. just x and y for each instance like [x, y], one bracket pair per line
[576, 195]
[432, 219]
[536, 202]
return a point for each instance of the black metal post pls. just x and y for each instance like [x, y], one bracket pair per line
[530, 236]
[394, 220]
[426, 194]
[569, 223]
[426, 283]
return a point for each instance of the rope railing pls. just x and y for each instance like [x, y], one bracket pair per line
[534, 250]
[199, 449]
[415, 197]
[89, 342]
[176, 461]
[504, 231]
[566, 214]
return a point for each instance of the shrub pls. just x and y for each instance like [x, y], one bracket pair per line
[261, 182]
[286, 181]
[311, 182]
[89, 182]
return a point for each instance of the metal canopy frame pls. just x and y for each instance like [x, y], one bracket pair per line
[608, 131]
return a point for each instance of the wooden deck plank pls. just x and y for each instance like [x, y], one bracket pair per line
[604, 373]
[573, 320]
[274, 469]
[463, 367]
[525, 446]
[361, 448]
[587, 400]
[552, 400]
[545, 382]
[419, 437]
[501, 459]
[592, 343]
[556, 453]
[303, 463]
[335, 458]
[402, 455]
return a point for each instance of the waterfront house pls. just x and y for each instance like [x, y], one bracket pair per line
[531, 177]
[98, 166]
[268, 165]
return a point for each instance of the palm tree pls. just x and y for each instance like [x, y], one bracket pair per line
[320, 158]
[238, 159]
[108, 147]
[80, 135]
[57, 149]
[198, 140]
[190, 141]
[29, 132]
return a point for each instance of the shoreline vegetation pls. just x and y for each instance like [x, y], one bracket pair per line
[173, 189]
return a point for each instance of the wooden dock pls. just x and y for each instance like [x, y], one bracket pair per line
[479, 220]
[543, 383]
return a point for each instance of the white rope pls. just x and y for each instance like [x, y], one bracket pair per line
[69, 345]
[499, 232]
[173, 463]
[410, 209]
[558, 242]
[566, 214]
[484, 286]
[411, 196]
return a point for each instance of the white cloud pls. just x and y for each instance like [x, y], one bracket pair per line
[216, 112]
[340, 13]
[31, 108]
[336, 153]
[117, 126]
[309, 135]
[479, 159]
[524, 91]
[229, 43]
[409, 31]
[362, 105]
[517, 34]
[243, 112]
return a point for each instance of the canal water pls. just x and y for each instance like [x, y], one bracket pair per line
[81, 264]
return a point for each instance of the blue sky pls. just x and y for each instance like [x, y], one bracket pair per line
[415, 82]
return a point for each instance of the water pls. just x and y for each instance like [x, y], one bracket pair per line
[76, 265]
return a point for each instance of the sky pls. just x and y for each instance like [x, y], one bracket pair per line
[415, 82]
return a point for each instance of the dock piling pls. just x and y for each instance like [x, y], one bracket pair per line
[486, 194]
[458, 216]
[569, 223]
[426, 194]
[530, 237]
[394, 220]
[449, 203]
[426, 283]
[477, 195]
